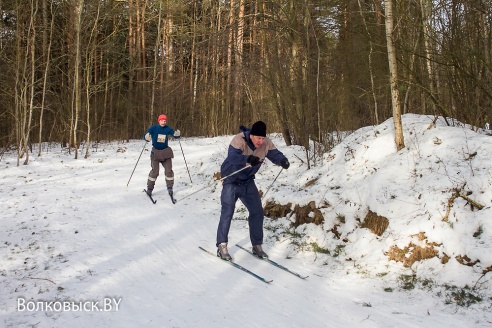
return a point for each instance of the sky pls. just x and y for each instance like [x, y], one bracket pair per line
[81, 245]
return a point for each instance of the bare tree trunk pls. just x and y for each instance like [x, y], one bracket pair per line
[142, 60]
[132, 60]
[238, 67]
[32, 56]
[167, 72]
[77, 80]
[230, 68]
[162, 70]
[88, 103]
[193, 74]
[428, 63]
[25, 81]
[395, 95]
[371, 73]
[91, 62]
[46, 57]
[158, 41]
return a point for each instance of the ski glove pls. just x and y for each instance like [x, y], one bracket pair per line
[253, 160]
[177, 133]
[148, 137]
[285, 163]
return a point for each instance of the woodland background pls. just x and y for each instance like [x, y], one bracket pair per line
[77, 72]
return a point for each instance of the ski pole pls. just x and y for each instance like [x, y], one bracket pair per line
[185, 160]
[145, 144]
[271, 184]
[214, 181]
[235, 172]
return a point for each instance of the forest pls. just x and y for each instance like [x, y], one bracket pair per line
[77, 72]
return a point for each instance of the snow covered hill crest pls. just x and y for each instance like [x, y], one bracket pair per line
[426, 207]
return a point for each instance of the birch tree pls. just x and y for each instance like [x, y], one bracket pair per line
[395, 95]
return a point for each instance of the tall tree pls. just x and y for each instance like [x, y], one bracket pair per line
[370, 61]
[238, 68]
[47, 41]
[77, 82]
[395, 94]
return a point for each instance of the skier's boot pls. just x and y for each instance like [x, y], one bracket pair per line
[258, 251]
[223, 253]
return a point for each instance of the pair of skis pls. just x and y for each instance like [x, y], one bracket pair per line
[154, 201]
[240, 267]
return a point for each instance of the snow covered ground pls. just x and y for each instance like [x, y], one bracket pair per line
[78, 248]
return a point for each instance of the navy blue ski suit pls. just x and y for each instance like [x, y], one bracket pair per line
[242, 185]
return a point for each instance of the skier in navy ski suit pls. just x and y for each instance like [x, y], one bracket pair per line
[251, 146]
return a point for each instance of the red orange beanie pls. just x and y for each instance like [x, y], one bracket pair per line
[162, 117]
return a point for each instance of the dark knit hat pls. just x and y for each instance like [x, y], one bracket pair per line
[258, 129]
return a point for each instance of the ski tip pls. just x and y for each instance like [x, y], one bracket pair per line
[151, 199]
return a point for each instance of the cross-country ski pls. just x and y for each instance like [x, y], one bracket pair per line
[237, 266]
[273, 263]
[150, 196]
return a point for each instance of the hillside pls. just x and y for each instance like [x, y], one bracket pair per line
[387, 239]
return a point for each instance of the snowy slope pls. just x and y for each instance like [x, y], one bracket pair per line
[73, 233]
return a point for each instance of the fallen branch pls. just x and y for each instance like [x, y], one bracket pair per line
[472, 202]
[483, 274]
[450, 204]
[433, 124]
[42, 279]
[302, 161]
[455, 195]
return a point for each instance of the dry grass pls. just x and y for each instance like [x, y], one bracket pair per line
[303, 214]
[411, 254]
[275, 211]
[376, 223]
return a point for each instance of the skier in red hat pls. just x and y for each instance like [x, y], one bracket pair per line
[161, 153]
